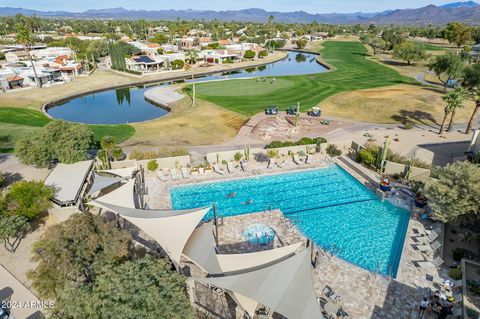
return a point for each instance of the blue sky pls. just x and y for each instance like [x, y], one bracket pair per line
[312, 6]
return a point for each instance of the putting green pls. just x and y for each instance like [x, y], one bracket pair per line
[352, 72]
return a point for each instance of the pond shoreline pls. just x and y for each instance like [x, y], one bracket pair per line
[183, 76]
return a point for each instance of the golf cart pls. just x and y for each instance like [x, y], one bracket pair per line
[315, 111]
[292, 110]
[271, 110]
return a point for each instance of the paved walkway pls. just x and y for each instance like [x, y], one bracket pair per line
[21, 302]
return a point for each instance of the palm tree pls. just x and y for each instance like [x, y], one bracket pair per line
[452, 99]
[271, 20]
[192, 56]
[472, 83]
[24, 36]
[459, 96]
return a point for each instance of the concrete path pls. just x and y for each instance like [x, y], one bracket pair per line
[21, 301]
[163, 95]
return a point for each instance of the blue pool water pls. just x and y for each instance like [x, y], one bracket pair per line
[128, 105]
[328, 206]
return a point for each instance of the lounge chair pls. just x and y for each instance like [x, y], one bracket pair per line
[161, 176]
[435, 263]
[308, 159]
[280, 165]
[185, 172]
[217, 169]
[431, 237]
[296, 160]
[330, 294]
[270, 165]
[230, 167]
[435, 245]
[424, 248]
[174, 174]
[243, 165]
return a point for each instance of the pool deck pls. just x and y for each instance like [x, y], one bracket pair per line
[364, 294]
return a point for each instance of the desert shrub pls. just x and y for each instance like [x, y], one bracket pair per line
[177, 64]
[302, 141]
[171, 152]
[238, 156]
[262, 54]
[333, 150]
[117, 153]
[136, 154]
[456, 273]
[152, 165]
[366, 157]
[149, 154]
[249, 54]
[272, 153]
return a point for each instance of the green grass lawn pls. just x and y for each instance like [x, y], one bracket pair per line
[434, 47]
[353, 72]
[18, 122]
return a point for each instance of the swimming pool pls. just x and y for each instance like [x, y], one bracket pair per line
[328, 206]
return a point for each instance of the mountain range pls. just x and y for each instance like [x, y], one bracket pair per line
[467, 12]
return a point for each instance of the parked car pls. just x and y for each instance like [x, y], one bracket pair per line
[292, 110]
[315, 111]
[271, 110]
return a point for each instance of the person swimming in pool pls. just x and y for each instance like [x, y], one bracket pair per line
[233, 194]
[248, 202]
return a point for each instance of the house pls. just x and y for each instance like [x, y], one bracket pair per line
[218, 56]
[187, 43]
[144, 63]
[204, 41]
[14, 81]
[10, 80]
[224, 42]
[51, 52]
[16, 56]
[169, 47]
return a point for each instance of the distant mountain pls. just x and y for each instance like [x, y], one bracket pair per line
[468, 4]
[468, 12]
[430, 15]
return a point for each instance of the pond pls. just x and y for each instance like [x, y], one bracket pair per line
[128, 104]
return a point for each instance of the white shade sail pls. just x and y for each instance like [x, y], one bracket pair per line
[285, 287]
[200, 249]
[169, 228]
[100, 182]
[122, 196]
[126, 172]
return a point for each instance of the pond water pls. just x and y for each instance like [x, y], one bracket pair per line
[128, 105]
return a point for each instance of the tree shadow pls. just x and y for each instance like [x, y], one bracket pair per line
[11, 178]
[425, 118]
[4, 157]
[39, 221]
[448, 152]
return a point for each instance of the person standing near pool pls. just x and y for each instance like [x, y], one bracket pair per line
[423, 306]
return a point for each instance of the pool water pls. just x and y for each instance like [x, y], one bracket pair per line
[328, 206]
[128, 104]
